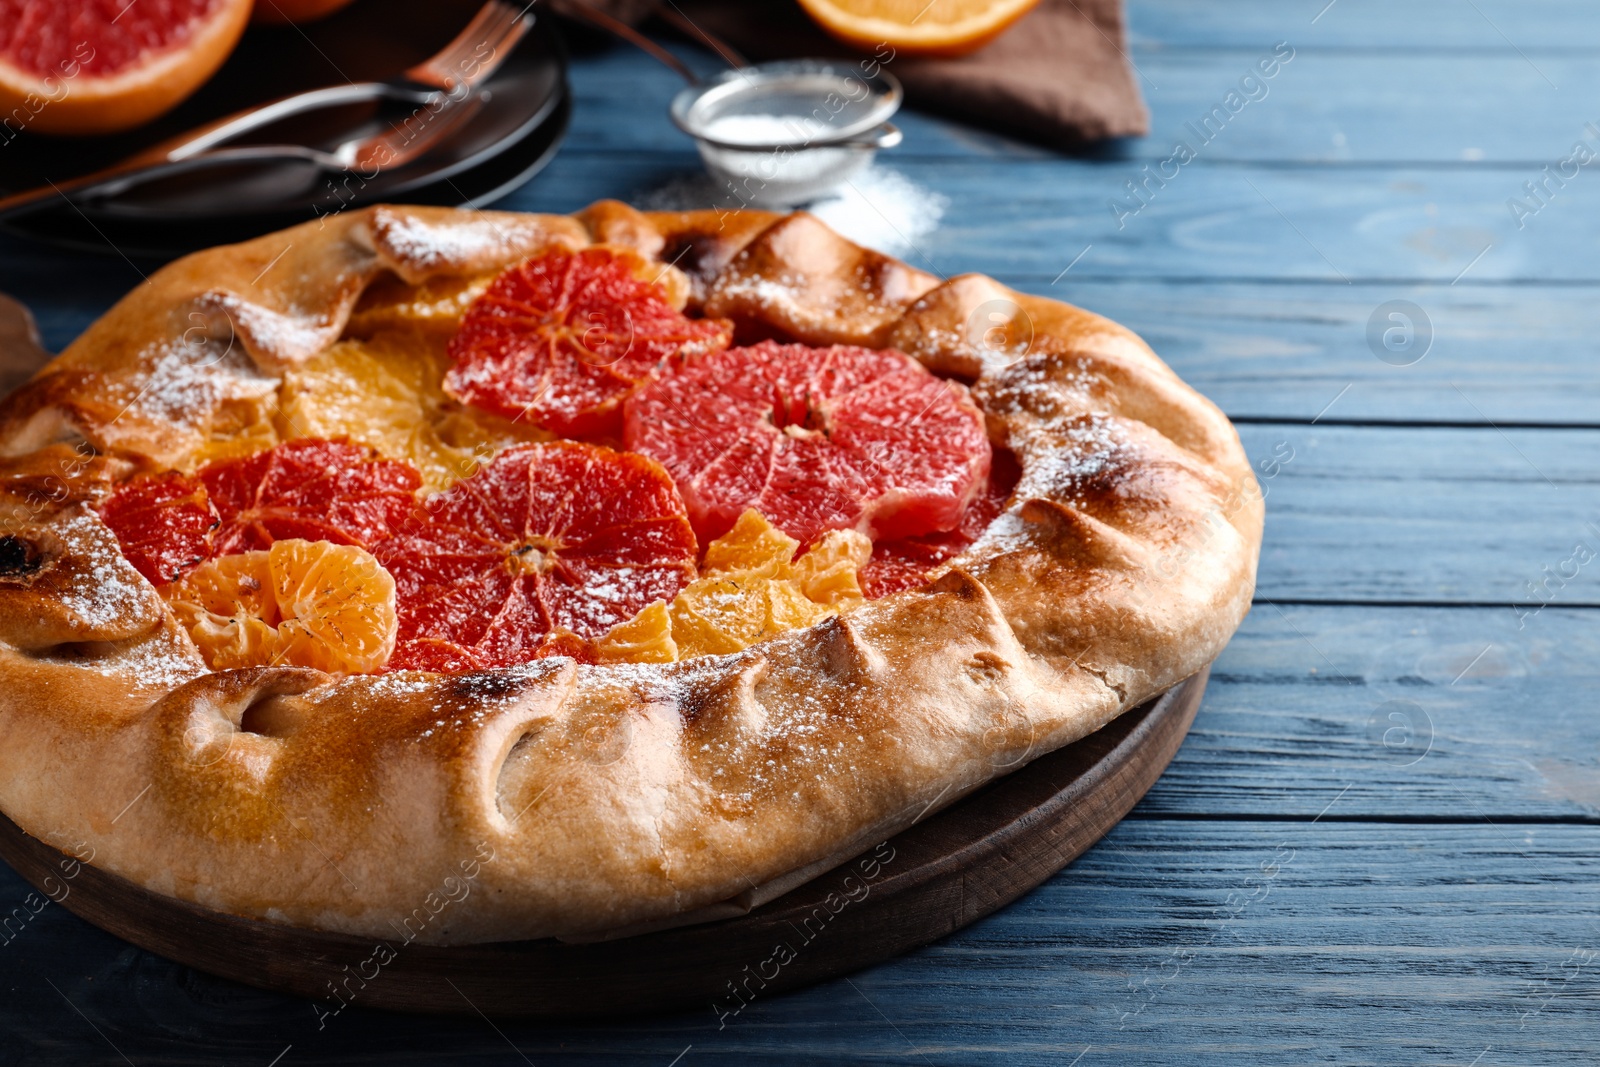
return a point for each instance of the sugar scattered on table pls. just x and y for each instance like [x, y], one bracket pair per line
[879, 208]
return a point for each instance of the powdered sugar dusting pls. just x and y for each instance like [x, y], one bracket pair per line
[186, 380]
[1088, 449]
[879, 208]
[288, 336]
[1062, 466]
[98, 589]
[884, 210]
[423, 248]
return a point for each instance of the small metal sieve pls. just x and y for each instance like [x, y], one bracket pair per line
[785, 133]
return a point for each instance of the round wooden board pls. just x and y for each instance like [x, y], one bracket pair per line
[950, 870]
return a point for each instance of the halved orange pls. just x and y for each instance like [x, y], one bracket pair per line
[917, 27]
[98, 66]
[301, 603]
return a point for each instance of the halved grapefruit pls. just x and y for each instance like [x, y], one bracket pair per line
[97, 66]
[562, 339]
[540, 551]
[815, 439]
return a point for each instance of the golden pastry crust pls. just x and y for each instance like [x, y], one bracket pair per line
[590, 798]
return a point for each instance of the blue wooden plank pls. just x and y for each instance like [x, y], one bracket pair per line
[1522, 353]
[1412, 26]
[1385, 515]
[1217, 942]
[1408, 713]
[1265, 224]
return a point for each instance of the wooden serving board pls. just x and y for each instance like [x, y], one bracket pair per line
[950, 870]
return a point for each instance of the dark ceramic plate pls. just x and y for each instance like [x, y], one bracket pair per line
[511, 138]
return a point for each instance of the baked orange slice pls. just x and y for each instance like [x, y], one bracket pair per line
[98, 66]
[431, 306]
[299, 603]
[917, 27]
[751, 588]
[386, 392]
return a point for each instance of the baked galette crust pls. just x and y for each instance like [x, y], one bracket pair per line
[583, 799]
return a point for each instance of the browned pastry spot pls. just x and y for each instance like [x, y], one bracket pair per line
[801, 281]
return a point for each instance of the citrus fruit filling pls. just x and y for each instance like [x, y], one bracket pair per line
[299, 603]
[165, 524]
[311, 489]
[909, 562]
[815, 439]
[386, 392]
[545, 544]
[406, 508]
[751, 588]
[565, 337]
[168, 523]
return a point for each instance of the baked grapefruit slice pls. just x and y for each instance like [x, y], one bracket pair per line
[907, 562]
[165, 524]
[98, 66]
[311, 489]
[815, 439]
[563, 338]
[540, 551]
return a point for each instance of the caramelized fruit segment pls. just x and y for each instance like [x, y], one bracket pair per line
[313, 489]
[751, 589]
[815, 439]
[907, 563]
[387, 393]
[301, 603]
[164, 522]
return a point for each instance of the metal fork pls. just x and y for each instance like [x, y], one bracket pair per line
[447, 84]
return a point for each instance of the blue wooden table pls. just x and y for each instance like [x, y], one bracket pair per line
[1381, 842]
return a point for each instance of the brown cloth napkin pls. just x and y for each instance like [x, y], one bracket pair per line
[1060, 76]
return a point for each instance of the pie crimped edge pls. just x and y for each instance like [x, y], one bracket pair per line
[557, 799]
